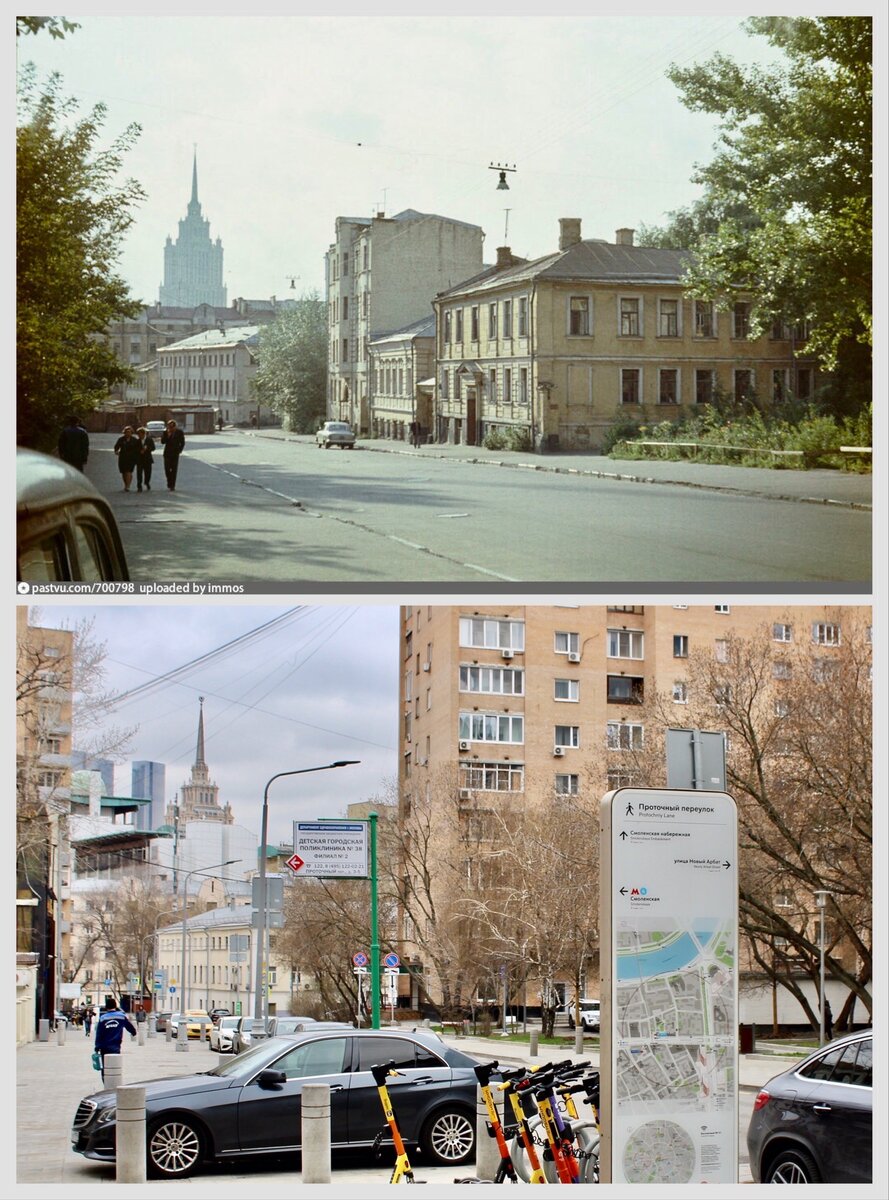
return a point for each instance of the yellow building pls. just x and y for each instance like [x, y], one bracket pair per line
[556, 350]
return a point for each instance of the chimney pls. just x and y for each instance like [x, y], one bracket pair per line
[569, 232]
[623, 237]
[504, 257]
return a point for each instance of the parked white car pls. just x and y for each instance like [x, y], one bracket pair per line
[335, 433]
[222, 1033]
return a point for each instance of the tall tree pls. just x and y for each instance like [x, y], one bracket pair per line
[71, 217]
[795, 150]
[292, 375]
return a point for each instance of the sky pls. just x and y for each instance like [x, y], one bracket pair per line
[300, 119]
[321, 688]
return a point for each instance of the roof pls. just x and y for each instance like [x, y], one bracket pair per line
[230, 914]
[425, 327]
[42, 481]
[232, 336]
[411, 214]
[122, 834]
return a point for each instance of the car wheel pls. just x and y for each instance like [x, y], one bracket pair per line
[175, 1148]
[792, 1166]
[448, 1137]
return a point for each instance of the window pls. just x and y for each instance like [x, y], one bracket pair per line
[522, 316]
[723, 609]
[447, 327]
[523, 385]
[507, 385]
[567, 735]
[622, 735]
[566, 689]
[489, 633]
[779, 385]
[629, 317]
[625, 689]
[492, 776]
[458, 325]
[625, 643]
[473, 321]
[445, 380]
[619, 777]
[324, 1057]
[825, 634]
[566, 643]
[722, 694]
[705, 319]
[579, 316]
[668, 386]
[741, 319]
[743, 384]
[630, 385]
[491, 727]
[668, 318]
[721, 650]
[782, 670]
[345, 308]
[782, 633]
[704, 386]
[630, 608]
[567, 785]
[680, 692]
[492, 321]
[492, 384]
[680, 645]
[804, 383]
[496, 681]
[507, 318]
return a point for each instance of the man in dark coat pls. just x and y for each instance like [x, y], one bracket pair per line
[110, 1030]
[127, 450]
[74, 443]
[174, 443]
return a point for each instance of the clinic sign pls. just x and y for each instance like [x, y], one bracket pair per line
[669, 955]
[330, 849]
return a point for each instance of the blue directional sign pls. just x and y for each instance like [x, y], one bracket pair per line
[391, 960]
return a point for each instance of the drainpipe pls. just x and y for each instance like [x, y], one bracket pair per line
[532, 374]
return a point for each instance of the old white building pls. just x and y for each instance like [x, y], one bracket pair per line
[215, 367]
[400, 362]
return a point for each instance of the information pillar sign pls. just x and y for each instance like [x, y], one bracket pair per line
[669, 953]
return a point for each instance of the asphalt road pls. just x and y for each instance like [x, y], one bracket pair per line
[262, 510]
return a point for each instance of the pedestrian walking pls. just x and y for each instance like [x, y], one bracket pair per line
[174, 443]
[127, 450]
[828, 1021]
[144, 462]
[110, 1027]
[74, 443]
[87, 1020]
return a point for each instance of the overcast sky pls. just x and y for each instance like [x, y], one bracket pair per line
[322, 688]
[299, 119]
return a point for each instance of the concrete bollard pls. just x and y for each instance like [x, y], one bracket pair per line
[316, 1133]
[43, 1029]
[130, 1135]
[487, 1155]
[578, 1040]
[203, 1032]
[152, 1026]
[113, 1071]
[168, 1031]
[61, 1029]
[182, 1037]
[534, 1043]
[140, 1033]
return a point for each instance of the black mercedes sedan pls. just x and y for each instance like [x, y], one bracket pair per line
[252, 1104]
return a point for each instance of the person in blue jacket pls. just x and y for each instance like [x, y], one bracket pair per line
[110, 1030]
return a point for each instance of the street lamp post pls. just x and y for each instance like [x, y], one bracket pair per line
[196, 871]
[260, 1000]
[821, 901]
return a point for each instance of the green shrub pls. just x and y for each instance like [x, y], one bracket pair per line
[623, 429]
[494, 439]
[519, 438]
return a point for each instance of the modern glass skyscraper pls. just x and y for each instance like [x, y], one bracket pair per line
[148, 783]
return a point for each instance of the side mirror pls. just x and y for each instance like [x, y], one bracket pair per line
[271, 1080]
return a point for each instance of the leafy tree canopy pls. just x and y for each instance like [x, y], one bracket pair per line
[787, 210]
[71, 217]
[56, 27]
[292, 375]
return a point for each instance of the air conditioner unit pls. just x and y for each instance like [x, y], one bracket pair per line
[507, 653]
[465, 794]
[424, 762]
[427, 666]
[574, 657]
[558, 751]
[463, 745]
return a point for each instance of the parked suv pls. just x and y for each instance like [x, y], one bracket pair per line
[814, 1122]
[589, 1015]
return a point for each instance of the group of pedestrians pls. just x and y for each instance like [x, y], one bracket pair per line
[135, 450]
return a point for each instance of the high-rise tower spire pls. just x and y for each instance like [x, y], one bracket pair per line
[194, 203]
[193, 263]
[199, 760]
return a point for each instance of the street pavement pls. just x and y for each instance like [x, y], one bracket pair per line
[52, 1079]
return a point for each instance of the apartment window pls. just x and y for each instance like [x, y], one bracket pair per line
[680, 645]
[447, 327]
[345, 264]
[49, 779]
[492, 776]
[364, 297]
[523, 385]
[345, 350]
[705, 319]
[722, 694]
[492, 384]
[428, 707]
[824, 634]
[579, 316]
[458, 326]
[566, 689]
[668, 386]
[743, 384]
[722, 609]
[345, 308]
[741, 319]
[779, 385]
[720, 650]
[705, 384]
[489, 633]
[824, 669]
[638, 609]
[507, 318]
[782, 670]
[567, 785]
[567, 736]
[626, 643]
[507, 385]
[566, 643]
[782, 708]
[630, 382]
[50, 745]
[625, 689]
[668, 318]
[491, 727]
[492, 321]
[630, 311]
[619, 777]
[493, 681]
[803, 383]
[473, 320]
[782, 633]
[445, 383]
[522, 316]
[624, 735]
[680, 692]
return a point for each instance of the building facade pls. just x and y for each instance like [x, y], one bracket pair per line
[401, 366]
[193, 263]
[214, 368]
[381, 274]
[555, 351]
[149, 782]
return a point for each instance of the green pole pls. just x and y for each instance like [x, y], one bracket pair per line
[374, 928]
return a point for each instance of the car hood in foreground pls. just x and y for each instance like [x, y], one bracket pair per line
[164, 1089]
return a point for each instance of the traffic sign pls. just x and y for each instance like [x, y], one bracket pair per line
[331, 849]
[391, 960]
[295, 863]
[359, 959]
[172, 991]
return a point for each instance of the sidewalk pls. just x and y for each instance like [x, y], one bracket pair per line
[840, 488]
